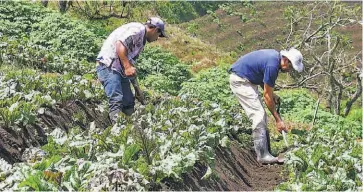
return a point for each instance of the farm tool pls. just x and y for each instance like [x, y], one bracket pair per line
[284, 134]
[283, 131]
[139, 95]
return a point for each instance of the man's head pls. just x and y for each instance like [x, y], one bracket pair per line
[291, 59]
[155, 29]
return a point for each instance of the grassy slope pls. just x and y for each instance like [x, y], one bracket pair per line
[266, 31]
[192, 50]
[261, 33]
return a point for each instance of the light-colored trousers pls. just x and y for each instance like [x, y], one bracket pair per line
[250, 100]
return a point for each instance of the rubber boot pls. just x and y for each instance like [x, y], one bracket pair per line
[260, 142]
[128, 111]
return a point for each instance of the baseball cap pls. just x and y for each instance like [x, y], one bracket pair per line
[158, 23]
[295, 58]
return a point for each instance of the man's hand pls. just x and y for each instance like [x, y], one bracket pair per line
[130, 71]
[280, 126]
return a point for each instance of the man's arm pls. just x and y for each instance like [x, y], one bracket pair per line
[271, 105]
[268, 96]
[121, 51]
[276, 98]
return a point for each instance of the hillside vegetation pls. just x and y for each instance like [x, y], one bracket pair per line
[55, 133]
[242, 29]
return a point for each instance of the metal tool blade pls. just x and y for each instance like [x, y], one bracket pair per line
[285, 138]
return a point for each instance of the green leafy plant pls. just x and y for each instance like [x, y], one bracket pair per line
[50, 41]
[162, 71]
[210, 85]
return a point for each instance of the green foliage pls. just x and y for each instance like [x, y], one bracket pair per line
[295, 101]
[325, 160]
[241, 47]
[17, 18]
[161, 83]
[36, 182]
[234, 9]
[210, 85]
[192, 27]
[163, 139]
[328, 157]
[162, 71]
[24, 93]
[177, 11]
[231, 8]
[355, 115]
[182, 11]
[65, 37]
[299, 106]
[47, 40]
[19, 113]
[41, 88]
[203, 6]
[215, 17]
[45, 164]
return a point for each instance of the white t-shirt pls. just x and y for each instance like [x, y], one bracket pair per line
[131, 35]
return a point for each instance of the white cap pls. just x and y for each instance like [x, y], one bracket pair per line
[295, 58]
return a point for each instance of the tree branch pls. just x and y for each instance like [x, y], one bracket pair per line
[356, 95]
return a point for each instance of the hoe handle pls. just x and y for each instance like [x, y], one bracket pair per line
[139, 95]
[283, 131]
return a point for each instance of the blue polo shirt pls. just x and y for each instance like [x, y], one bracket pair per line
[259, 67]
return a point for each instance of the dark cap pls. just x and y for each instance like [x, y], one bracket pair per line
[158, 23]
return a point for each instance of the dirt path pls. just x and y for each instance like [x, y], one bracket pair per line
[236, 168]
[239, 170]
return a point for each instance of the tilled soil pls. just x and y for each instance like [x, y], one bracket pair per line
[245, 173]
[236, 168]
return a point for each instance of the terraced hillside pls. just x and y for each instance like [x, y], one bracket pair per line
[266, 29]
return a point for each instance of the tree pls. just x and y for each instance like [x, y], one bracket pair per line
[331, 66]
[105, 9]
[62, 4]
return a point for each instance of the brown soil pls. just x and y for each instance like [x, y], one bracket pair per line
[235, 168]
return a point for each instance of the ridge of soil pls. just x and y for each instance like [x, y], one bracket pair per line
[13, 143]
[235, 168]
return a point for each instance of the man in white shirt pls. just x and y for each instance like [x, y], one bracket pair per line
[115, 62]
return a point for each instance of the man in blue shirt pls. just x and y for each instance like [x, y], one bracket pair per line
[262, 68]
